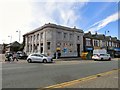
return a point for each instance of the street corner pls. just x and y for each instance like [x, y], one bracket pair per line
[19, 61]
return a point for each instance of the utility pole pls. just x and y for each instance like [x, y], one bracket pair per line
[10, 38]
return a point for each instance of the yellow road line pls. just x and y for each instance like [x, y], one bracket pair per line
[61, 85]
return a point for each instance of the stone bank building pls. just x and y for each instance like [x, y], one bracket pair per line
[50, 38]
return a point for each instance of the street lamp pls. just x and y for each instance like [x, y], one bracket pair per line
[106, 32]
[19, 34]
[10, 38]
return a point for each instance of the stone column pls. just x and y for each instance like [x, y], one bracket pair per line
[74, 43]
[53, 42]
[39, 49]
[25, 49]
[44, 42]
[32, 43]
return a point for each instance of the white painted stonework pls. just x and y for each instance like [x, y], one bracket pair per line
[52, 37]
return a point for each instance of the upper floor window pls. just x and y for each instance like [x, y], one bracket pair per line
[96, 43]
[31, 38]
[88, 42]
[42, 35]
[37, 36]
[28, 39]
[78, 37]
[65, 35]
[34, 37]
[71, 35]
[59, 34]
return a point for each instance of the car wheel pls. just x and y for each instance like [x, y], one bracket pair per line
[109, 59]
[44, 61]
[101, 58]
[29, 60]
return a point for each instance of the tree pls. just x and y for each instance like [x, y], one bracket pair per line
[4, 48]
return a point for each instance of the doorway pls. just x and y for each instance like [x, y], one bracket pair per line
[78, 50]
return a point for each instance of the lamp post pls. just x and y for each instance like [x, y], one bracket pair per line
[10, 38]
[19, 34]
[106, 31]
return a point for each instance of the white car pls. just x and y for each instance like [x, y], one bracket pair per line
[39, 58]
[101, 57]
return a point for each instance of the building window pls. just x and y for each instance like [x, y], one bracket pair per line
[31, 38]
[109, 43]
[96, 42]
[34, 37]
[28, 39]
[71, 36]
[88, 42]
[48, 45]
[31, 48]
[41, 48]
[37, 47]
[59, 34]
[42, 35]
[78, 38]
[28, 48]
[65, 35]
[37, 36]
[112, 44]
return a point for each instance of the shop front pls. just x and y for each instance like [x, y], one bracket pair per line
[117, 52]
[110, 51]
[88, 49]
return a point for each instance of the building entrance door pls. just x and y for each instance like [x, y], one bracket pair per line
[78, 50]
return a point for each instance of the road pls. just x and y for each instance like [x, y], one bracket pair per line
[39, 75]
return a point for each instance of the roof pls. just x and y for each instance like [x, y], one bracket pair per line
[54, 26]
[14, 44]
[88, 35]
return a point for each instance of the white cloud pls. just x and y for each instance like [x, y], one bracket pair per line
[101, 24]
[26, 15]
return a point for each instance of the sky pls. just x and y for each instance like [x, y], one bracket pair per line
[18, 17]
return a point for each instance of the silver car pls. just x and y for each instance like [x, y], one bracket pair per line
[39, 58]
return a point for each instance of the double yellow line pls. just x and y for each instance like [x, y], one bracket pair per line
[62, 85]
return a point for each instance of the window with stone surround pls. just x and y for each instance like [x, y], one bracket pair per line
[41, 35]
[88, 42]
[48, 45]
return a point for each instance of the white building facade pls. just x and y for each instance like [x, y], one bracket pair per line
[51, 37]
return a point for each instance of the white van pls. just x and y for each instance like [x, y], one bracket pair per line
[100, 54]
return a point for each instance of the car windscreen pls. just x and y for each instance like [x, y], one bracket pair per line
[44, 55]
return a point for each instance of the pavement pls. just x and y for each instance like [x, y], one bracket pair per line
[105, 81]
[102, 80]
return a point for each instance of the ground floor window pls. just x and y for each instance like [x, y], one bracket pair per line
[48, 45]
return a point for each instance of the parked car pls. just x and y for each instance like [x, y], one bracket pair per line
[101, 57]
[117, 55]
[22, 55]
[8, 56]
[39, 58]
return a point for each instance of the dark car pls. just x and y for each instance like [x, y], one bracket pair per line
[22, 55]
[117, 55]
